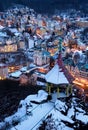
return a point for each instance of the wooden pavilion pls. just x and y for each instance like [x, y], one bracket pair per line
[56, 78]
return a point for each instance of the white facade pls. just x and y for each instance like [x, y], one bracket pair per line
[30, 43]
[40, 59]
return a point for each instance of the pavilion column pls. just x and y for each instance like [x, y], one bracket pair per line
[47, 87]
[70, 89]
[67, 90]
[49, 90]
[58, 92]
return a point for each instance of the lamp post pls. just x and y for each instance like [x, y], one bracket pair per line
[61, 64]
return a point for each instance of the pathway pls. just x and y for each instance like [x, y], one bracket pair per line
[32, 122]
[39, 113]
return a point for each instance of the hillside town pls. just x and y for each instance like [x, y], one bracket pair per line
[50, 52]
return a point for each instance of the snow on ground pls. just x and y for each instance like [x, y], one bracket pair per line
[60, 105]
[80, 109]
[38, 114]
[58, 117]
[42, 95]
[82, 117]
[35, 108]
[1, 125]
[70, 112]
[31, 115]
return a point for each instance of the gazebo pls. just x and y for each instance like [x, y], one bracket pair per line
[55, 77]
[59, 75]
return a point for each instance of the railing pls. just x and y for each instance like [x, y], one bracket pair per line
[43, 118]
[83, 74]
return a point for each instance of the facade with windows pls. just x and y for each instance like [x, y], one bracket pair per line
[3, 71]
[8, 48]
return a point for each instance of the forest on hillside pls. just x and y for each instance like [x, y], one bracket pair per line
[43, 6]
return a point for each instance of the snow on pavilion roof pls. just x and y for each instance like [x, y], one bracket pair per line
[55, 76]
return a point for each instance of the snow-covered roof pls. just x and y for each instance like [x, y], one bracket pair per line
[1, 27]
[3, 34]
[16, 74]
[2, 65]
[55, 76]
[23, 69]
[15, 31]
[79, 42]
[87, 48]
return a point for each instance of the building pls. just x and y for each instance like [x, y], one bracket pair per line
[8, 48]
[41, 57]
[83, 23]
[21, 44]
[3, 71]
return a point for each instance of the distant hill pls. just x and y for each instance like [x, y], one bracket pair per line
[44, 6]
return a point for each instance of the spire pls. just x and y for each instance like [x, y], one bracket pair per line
[60, 45]
[61, 64]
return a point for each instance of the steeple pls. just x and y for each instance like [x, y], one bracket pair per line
[60, 45]
[60, 63]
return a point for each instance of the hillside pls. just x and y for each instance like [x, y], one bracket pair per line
[46, 5]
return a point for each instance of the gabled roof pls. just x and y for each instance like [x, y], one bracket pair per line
[55, 76]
